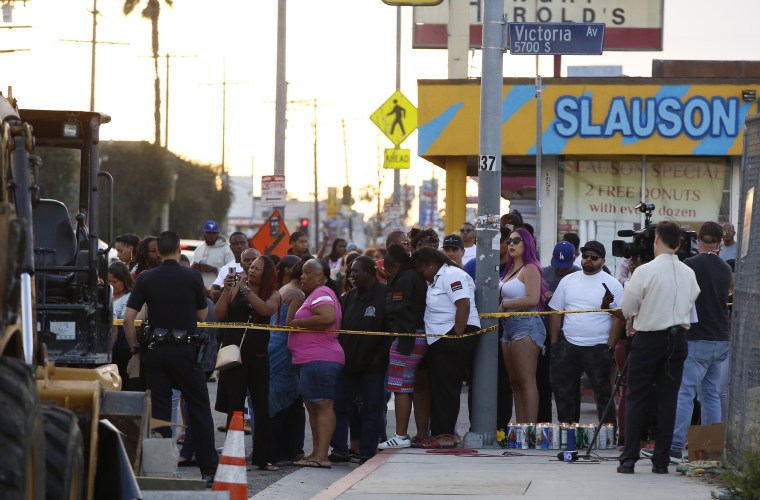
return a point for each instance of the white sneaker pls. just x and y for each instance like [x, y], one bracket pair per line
[396, 442]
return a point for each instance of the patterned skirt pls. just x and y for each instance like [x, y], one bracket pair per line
[402, 368]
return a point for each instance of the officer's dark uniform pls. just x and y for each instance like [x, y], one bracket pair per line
[174, 294]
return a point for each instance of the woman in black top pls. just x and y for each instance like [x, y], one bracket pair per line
[405, 305]
[366, 360]
[251, 298]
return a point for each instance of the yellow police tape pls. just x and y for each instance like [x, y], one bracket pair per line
[255, 326]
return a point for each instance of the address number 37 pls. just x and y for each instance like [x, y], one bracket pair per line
[487, 162]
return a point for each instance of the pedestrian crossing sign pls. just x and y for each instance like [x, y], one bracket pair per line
[396, 118]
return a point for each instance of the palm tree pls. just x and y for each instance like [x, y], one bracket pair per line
[152, 11]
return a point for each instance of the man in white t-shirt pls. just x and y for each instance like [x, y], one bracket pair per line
[468, 238]
[589, 338]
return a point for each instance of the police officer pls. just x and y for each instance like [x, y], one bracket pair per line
[176, 300]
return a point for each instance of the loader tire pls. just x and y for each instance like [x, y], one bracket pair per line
[64, 455]
[22, 437]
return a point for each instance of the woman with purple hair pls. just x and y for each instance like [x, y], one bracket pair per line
[522, 289]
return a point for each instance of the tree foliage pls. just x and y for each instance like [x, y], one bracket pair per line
[143, 175]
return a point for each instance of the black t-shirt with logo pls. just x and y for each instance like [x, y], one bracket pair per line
[365, 311]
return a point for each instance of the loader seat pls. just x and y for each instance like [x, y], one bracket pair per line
[55, 242]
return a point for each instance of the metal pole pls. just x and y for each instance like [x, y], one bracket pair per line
[280, 97]
[539, 153]
[483, 415]
[166, 106]
[224, 114]
[396, 172]
[316, 229]
[94, 44]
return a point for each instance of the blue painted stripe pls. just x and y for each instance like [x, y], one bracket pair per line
[518, 96]
[552, 142]
[428, 133]
[720, 145]
[677, 91]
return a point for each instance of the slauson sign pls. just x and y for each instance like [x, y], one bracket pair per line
[613, 116]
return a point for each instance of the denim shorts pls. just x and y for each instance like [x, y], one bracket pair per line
[317, 380]
[519, 327]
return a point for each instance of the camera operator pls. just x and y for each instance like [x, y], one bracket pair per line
[660, 297]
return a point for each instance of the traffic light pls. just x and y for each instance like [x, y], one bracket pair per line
[347, 200]
[304, 226]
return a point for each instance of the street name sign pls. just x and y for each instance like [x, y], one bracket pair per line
[556, 38]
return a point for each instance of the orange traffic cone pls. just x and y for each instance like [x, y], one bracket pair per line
[230, 476]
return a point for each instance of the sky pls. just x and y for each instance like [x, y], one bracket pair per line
[340, 52]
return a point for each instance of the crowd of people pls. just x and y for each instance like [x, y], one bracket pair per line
[415, 285]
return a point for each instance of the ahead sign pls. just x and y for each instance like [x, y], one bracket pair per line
[556, 38]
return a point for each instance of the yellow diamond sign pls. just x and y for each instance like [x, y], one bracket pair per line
[396, 118]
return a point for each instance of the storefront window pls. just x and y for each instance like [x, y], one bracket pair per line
[597, 197]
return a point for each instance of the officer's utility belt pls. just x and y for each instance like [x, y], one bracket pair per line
[172, 336]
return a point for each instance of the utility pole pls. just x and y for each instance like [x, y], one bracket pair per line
[224, 83]
[168, 56]
[348, 185]
[316, 229]
[166, 99]
[94, 42]
[483, 430]
[397, 172]
[281, 96]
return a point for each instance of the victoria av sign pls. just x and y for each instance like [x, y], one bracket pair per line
[556, 38]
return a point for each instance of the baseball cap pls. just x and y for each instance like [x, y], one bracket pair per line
[563, 255]
[210, 226]
[453, 240]
[595, 246]
[710, 232]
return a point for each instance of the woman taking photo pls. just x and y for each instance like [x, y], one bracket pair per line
[318, 356]
[249, 299]
[522, 289]
[121, 284]
[449, 310]
[405, 307]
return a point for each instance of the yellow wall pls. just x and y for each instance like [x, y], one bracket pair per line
[591, 117]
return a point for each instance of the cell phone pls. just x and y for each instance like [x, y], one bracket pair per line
[233, 271]
[605, 287]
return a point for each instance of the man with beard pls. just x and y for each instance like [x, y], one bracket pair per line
[238, 243]
[588, 339]
[212, 254]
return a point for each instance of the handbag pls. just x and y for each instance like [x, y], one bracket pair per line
[229, 356]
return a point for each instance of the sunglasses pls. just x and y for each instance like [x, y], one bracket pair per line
[513, 241]
[591, 256]
[465, 230]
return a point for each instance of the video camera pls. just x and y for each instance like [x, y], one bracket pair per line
[642, 245]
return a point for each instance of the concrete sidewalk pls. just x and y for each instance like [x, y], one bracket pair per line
[487, 474]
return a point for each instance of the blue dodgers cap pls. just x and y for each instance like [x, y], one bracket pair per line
[210, 226]
[563, 255]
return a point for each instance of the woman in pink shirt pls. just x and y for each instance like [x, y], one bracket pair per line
[317, 356]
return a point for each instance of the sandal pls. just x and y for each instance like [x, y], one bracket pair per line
[269, 467]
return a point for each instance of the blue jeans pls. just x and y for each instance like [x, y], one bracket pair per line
[371, 390]
[701, 373]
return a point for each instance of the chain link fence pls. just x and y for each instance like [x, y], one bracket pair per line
[743, 422]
